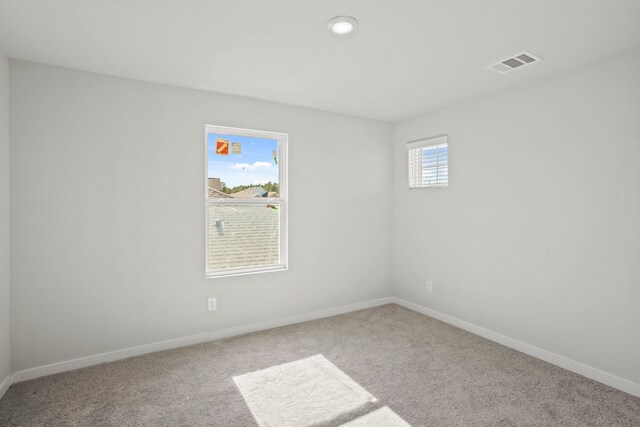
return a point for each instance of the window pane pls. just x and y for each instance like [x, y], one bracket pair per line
[242, 236]
[242, 166]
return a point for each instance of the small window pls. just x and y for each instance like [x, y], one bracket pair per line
[245, 201]
[429, 162]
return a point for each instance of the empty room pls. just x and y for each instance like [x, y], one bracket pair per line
[288, 213]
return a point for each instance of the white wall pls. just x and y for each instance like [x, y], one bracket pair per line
[108, 215]
[5, 334]
[537, 236]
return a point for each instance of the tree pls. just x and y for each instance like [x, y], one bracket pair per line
[269, 187]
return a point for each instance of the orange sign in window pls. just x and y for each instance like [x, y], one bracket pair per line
[222, 147]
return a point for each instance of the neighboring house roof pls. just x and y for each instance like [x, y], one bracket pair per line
[243, 236]
[273, 195]
[251, 192]
[217, 194]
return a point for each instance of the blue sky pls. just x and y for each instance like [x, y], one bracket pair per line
[254, 166]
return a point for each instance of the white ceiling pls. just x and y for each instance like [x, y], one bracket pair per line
[407, 57]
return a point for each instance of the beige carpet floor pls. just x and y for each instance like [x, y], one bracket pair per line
[427, 372]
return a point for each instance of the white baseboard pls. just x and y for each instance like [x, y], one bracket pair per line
[111, 356]
[537, 352]
[553, 358]
[5, 384]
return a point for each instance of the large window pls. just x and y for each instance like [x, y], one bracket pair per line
[246, 201]
[429, 162]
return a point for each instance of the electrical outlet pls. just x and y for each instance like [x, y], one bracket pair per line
[429, 287]
[212, 304]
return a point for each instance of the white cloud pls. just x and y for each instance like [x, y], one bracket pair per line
[250, 167]
[233, 175]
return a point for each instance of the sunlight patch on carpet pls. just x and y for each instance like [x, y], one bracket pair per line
[309, 392]
[380, 417]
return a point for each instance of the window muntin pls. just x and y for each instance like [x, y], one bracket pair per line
[429, 162]
[245, 200]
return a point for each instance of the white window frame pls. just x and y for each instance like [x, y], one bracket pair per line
[426, 143]
[282, 139]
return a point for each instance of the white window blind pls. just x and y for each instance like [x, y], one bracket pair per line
[428, 162]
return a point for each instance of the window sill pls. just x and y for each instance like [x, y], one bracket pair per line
[426, 187]
[214, 274]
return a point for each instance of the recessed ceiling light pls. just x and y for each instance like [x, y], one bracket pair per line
[342, 25]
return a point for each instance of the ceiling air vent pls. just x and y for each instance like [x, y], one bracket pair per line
[518, 60]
